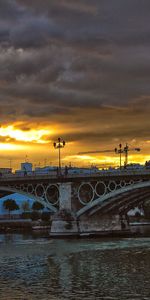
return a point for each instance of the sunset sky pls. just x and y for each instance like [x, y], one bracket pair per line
[75, 69]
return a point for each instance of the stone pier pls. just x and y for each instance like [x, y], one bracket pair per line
[105, 223]
[65, 196]
[64, 221]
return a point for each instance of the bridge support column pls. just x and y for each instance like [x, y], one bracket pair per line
[104, 224]
[65, 196]
[64, 221]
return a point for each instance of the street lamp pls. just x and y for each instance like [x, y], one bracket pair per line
[119, 151]
[58, 145]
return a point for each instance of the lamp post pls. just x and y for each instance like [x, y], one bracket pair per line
[58, 145]
[119, 151]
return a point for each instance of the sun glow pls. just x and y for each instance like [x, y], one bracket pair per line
[21, 138]
[11, 147]
[32, 135]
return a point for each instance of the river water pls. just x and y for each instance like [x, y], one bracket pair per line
[43, 268]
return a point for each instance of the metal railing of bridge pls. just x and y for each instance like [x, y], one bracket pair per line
[99, 174]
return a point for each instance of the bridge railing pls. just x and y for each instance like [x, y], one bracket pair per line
[100, 174]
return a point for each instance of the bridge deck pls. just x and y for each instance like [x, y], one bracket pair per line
[120, 175]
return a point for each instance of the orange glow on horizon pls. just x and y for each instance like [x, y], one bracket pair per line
[36, 142]
[106, 160]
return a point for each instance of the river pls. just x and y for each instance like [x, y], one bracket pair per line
[33, 268]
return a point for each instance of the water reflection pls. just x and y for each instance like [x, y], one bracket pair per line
[41, 268]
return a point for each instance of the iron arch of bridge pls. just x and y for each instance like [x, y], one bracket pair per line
[104, 200]
[31, 196]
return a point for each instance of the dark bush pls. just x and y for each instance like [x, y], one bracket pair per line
[137, 214]
[10, 205]
[26, 215]
[37, 206]
[45, 216]
[35, 215]
[146, 208]
[65, 215]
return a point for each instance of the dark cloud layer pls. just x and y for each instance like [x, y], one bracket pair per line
[61, 59]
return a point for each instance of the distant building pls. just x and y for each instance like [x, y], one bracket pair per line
[5, 170]
[48, 170]
[134, 167]
[26, 166]
[84, 171]
[26, 169]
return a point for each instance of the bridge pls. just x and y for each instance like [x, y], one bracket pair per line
[84, 203]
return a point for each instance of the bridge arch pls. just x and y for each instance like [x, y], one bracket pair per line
[35, 198]
[104, 199]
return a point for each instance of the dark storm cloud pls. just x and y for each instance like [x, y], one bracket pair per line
[34, 32]
[9, 10]
[61, 58]
[105, 20]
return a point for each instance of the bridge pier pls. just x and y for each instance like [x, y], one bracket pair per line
[64, 221]
[65, 196]
[104, 224]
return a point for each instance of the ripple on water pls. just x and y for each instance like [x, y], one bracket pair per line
[74, 269]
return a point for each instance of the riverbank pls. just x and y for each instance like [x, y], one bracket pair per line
[22, 225]
[28, 226]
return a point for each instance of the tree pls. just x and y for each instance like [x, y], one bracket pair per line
[37, 206]
[45, 216]
[10, 205]
[25, 206]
